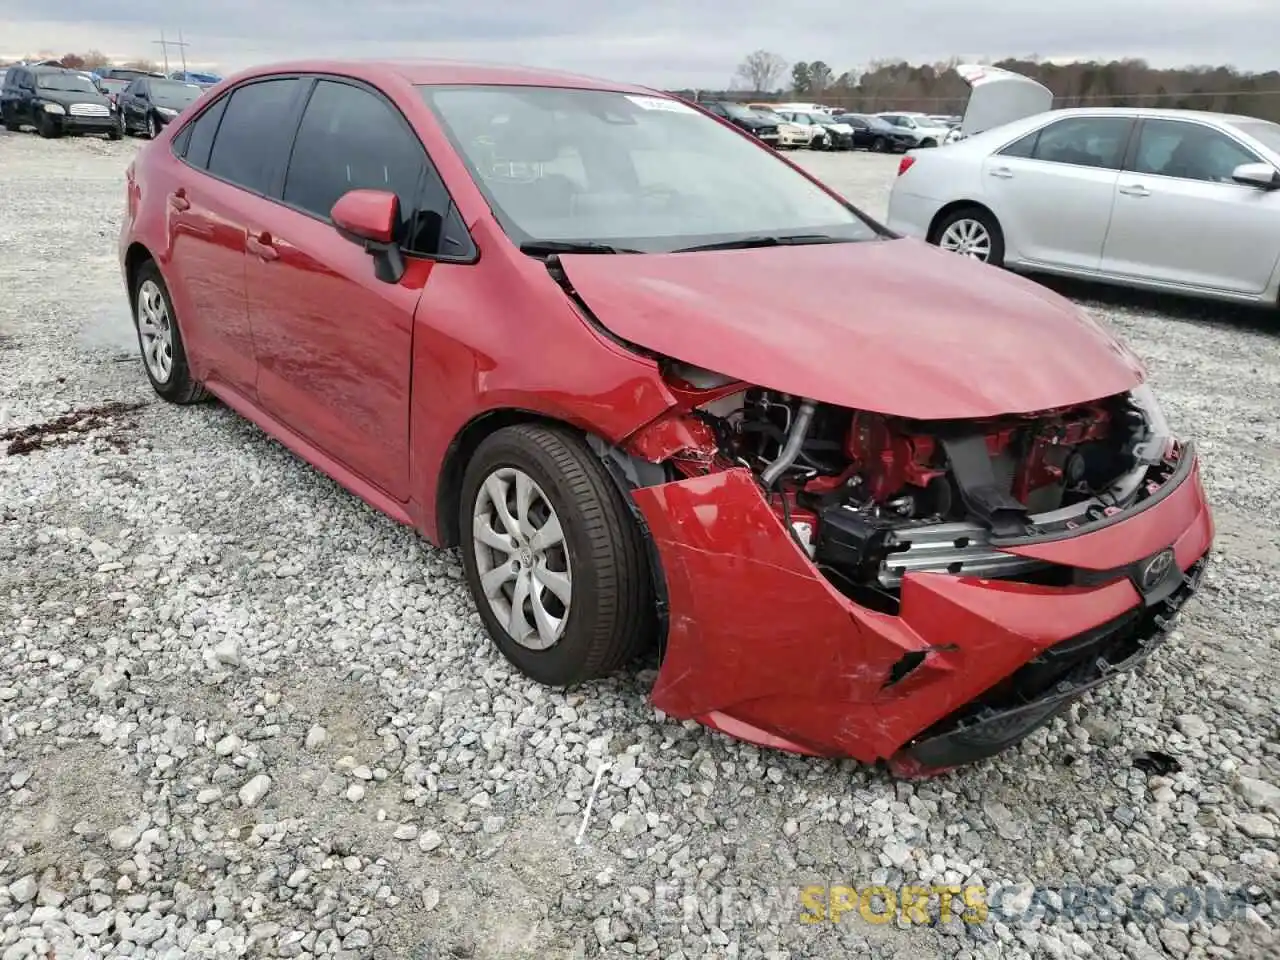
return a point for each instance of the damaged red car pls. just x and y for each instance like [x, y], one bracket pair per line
[587, 334]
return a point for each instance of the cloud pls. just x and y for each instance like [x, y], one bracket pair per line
[658, 42]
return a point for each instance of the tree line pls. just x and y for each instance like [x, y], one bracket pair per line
[937, 88]
[93, 60]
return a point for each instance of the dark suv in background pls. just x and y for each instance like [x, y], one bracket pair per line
[744, 118]
[148, 103]
[55, 101]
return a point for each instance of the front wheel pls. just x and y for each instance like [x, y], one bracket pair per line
[555, 561]
[879, 145]
[116, 132]
[47, 127]
[153, 128]
[971, 232]
[928, 142]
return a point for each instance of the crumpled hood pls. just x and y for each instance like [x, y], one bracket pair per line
[895, 327]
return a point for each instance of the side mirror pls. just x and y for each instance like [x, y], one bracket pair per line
[1262, 175]
[368, 218]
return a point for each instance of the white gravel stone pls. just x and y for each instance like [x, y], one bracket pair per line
[253, 791]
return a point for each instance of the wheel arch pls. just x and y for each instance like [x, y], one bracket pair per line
[950, 208]
[134, 258]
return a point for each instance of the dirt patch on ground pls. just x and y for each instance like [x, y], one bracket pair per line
[107, 421]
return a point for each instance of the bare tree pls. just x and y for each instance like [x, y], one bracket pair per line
[761, 70]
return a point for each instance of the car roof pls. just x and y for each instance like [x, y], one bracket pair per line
[1153, 112]
[447, 72]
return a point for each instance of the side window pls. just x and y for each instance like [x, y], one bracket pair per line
[1024, 147]
[1085, 141]
[1190, 151]
[253, 133]
[351, 139]
[203, 130]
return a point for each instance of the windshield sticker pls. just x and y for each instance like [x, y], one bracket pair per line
[661, 103]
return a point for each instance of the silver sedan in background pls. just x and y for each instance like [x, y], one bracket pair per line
[1172, 200]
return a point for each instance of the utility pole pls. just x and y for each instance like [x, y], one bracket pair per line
[166, 44]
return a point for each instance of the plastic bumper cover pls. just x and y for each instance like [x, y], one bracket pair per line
[761, 646]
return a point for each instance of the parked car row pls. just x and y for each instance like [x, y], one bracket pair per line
[811, 125]
[56, 101]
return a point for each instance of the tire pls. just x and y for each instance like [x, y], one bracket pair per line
[116, 132]
[47, 128]
[153, 128]
[172, 382]
[11, 122]
[928, 142]
[815, 143]
[611, 614]
[879, 145]
[981, 216]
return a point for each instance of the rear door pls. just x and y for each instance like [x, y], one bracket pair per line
[333, 341]
[1180, 218]
[1053, 189]
[233, 154]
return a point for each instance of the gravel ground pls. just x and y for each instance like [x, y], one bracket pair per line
[241, 714]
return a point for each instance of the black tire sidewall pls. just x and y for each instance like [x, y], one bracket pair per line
[988, 221]
[179, 384]
[878, 145]
[563, 663]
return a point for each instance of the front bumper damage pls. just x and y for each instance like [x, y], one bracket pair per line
[761, 646]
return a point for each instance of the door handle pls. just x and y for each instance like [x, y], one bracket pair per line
[1135, 190]
[1004, 173]
[262, 246]
[178, 199]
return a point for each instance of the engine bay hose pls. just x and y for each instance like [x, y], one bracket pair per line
[791, 449]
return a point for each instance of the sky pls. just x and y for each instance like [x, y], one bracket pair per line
[662, 43]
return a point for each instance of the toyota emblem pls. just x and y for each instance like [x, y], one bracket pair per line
[1155, 570]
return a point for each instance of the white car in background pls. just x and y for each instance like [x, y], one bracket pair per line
[790, 134]
[1171, 200]
[928, 132]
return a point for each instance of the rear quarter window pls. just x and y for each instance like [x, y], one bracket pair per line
[254, 133]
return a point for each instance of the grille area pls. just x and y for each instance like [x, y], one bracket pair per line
[89, 110]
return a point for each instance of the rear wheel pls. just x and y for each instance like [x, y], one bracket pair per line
[554, 559]
[971, 232]
[10, 121]
[163, 355]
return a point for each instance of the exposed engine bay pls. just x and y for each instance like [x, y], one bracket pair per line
[871, 497]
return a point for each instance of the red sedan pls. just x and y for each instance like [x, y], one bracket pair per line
[584, 331]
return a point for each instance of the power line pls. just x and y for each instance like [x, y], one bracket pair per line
[166, 44]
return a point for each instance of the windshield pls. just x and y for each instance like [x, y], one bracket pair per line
[66, 82]
[1265, 132]
[739, 112]
[174, 90]
[644, 173]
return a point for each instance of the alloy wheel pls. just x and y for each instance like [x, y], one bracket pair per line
[152, 129]
[522, 558]
[968, 238]
[155, 330]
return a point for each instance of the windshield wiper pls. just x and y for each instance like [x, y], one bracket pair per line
[766, 240]
[545, 247]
